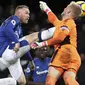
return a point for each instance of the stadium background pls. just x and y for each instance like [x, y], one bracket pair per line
[38, 21]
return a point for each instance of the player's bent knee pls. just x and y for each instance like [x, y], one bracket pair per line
[22, 82]
[22, 79]
[69, 78]
[53, 75]
[50, 80]
[70, 81]
[69, 74]
[9, 55]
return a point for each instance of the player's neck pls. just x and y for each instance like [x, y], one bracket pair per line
[66, 17]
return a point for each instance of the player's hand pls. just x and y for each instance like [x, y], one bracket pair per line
[35, 45]
[38, 45]
[17, 46]
[44, 6]
[32, 65]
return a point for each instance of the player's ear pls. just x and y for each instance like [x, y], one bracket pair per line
[18, 12]
[69, 11]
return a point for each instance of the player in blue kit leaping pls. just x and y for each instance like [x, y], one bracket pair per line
[13, 45]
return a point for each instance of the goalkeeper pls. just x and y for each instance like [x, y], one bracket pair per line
[66, 60]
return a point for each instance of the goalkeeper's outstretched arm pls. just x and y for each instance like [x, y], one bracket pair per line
[51, 16]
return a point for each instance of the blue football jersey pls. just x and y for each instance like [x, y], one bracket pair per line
[40, 72]
[10, 31]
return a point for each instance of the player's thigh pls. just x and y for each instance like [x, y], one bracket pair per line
[32, 37]
[53, 75]
[9, 55]
[15, 69]
[70, 77]
[22, 80]
[70, 72]
[3, 64]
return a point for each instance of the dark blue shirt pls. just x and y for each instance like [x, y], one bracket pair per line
[10, 31]
[41, 70]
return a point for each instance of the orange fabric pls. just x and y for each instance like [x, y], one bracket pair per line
[61, 34]
[67, 58]
[52, 17]
[59, 69]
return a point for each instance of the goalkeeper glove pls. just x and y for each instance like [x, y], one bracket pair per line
[44, 7]
[38, 45]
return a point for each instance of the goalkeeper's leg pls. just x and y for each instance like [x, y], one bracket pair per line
[69, 78]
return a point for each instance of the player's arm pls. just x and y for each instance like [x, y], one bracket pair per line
[60, 36]
[57, 39]
[51, 16]
[8, 30]
[30, 59]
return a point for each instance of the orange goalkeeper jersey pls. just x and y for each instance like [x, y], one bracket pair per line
[64, 29]
[67, 56]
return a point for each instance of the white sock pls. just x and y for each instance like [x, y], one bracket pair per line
[8, 81]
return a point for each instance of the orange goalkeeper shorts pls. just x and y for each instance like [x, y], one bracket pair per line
[67, 57]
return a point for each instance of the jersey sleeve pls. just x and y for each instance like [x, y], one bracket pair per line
[52, 18]
[9, 32]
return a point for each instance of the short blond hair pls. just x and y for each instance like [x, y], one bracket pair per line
[76, 8]
[20, 7]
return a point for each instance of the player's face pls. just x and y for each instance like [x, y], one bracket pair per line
[25, 15]
[66, 11]
[42, 52]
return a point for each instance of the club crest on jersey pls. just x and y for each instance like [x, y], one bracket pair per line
[64, 28]
[13, 22]
[27, 70]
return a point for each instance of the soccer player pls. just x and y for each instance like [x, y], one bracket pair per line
[13, 45]
[41, 60]
[66, 60]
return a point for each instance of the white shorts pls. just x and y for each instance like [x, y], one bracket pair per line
[11, 60]
[14, 68]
